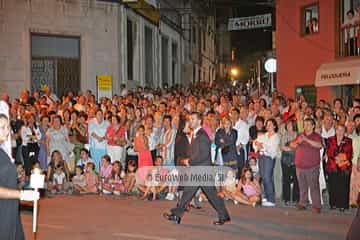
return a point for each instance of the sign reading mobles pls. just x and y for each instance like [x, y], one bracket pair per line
[245, 23]
[326, 76]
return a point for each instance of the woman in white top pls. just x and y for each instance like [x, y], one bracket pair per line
[57, 138]
[268, 147]
[30, 135]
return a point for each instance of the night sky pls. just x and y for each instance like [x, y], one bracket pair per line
[249, 45]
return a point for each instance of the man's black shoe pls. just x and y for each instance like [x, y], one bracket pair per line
[221, 221]
[172, 217]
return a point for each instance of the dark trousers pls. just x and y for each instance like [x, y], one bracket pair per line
[339, 189]
[309, 179]
[153, 155]
[210, 191]
[288, 178]
[266, 168]
[30, 154]
[350, 47]
[240, 162]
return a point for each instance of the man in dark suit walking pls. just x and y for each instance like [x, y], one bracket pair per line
[200, 155]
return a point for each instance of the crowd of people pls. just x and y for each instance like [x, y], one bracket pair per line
[278, 147]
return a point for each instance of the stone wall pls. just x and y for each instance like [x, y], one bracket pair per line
[95, 23]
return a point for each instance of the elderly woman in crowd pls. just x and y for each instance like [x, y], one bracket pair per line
[116, 139]
[57, 138]
[338, 167]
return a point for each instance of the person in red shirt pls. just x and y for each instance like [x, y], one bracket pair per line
[116, 139]
[307, 147]
[338, 167]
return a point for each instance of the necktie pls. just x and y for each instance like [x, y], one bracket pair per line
[192, 138]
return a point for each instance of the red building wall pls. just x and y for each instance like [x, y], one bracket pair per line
[298, 56]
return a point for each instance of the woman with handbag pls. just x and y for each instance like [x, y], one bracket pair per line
[339, 152]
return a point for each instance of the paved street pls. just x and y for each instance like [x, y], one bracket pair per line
[99, 217]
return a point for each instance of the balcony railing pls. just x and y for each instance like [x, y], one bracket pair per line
[349, 43]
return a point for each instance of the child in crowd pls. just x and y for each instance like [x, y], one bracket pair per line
[114, 183]
[130, 177]
[78, 180]
[248, 190]
[153, 184]
[171, 184]
[91, 179]
[105, 170]
[253, 165]
[229, 186]
[59, 184]
[34, 166]
[21, 178]
[84, 158]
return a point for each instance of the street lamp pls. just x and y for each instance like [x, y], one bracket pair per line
[234, 72]
[270, 67]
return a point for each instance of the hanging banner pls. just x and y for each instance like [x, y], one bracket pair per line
[104, 86]
[245, 23]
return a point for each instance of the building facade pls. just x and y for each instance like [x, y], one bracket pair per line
[63, 44]
[316, 48]
[67, 44]
[199, 50]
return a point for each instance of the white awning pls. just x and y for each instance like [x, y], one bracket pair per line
[338, 73]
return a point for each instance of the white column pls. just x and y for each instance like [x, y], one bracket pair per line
[141, 52]
[160, 76]
[156, 52]
[123, 46]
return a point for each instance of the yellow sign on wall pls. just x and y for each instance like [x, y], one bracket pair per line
[104, 83]
[104, 86]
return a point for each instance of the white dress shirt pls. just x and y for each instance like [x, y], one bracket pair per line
[326, 134]
[242, 129]
[271, 144]
[26, 133]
